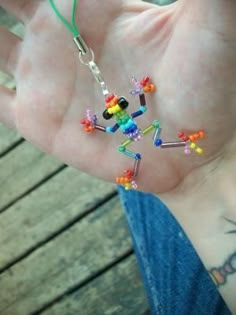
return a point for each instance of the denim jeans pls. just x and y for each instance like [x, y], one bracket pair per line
[174, 277]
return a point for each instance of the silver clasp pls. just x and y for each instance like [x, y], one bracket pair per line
[80, 43]
[98, 77]
[86, 56]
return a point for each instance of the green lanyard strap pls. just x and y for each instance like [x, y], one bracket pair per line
[72, 27]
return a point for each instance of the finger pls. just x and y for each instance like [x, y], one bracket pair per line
[23, 10]
[8, 50]
[7, 115]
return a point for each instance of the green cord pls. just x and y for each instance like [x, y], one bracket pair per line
[72, 27]
[73, 18]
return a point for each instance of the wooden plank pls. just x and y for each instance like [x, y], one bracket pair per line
[11, 23]
[21, 169]
[17, 28]
[8, 138]
[47, 210]
[65, 262]
[6, 19]
[118, 291]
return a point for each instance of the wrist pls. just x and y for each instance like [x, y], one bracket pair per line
[205, 206]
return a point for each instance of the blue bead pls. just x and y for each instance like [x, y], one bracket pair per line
[143, 108]
[138, 156]
[109, 129]
[158, 142]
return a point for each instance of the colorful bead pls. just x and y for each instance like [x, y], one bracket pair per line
[181, 134]
[149, 88]
[187, 150]
[158, 142]
[121, 148]
[143, 108]
[185, 138]
[88, 126]
[109, 97]
[148, 129]
[202, 134]
[144, 81]
[109, 129]
[156, 124]
[199, 150]
[193, 145]
[191, 138]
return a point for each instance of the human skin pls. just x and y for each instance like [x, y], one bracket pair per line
[189, 51]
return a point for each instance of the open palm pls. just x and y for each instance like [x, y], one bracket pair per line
[191, 61]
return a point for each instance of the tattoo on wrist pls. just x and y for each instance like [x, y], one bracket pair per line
[220, 274]
[233, 223]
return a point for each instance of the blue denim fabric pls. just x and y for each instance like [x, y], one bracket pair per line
[174, 277]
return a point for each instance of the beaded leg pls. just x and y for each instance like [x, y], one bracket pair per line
[188, 142]
[128, 179]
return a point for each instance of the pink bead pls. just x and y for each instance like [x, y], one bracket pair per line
[187, 150]
[134, 184]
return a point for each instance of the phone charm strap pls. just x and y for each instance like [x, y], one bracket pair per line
[86, 54]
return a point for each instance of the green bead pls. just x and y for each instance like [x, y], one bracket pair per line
[121, 149]
[156, 124]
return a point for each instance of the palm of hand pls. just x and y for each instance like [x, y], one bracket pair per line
[54, 89]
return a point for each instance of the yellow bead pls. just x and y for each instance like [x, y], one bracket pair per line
[117, 109]
[193, 145]
[199, 150]
[128, 186]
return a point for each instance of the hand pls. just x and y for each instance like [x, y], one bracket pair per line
[188, 54]
[188, 49]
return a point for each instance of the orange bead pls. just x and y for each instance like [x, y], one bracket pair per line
[152, 87]
[191, 137]
[202, 134]
[196, 136]
[115, 100]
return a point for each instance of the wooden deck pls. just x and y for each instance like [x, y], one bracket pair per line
[65, 245]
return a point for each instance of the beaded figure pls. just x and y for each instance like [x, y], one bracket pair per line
[116, 108]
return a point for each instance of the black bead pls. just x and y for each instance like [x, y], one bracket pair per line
[107, 115]
[123, 103]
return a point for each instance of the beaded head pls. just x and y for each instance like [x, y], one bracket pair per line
[114, 105]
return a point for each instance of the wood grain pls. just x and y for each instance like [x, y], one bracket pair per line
[113, 294]
[9, 137]
[66, 261]
[46, 211]
[21, 169]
